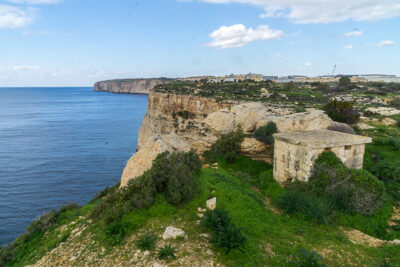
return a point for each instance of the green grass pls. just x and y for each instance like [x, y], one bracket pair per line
[271, 238]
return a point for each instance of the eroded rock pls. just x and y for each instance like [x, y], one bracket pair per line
[173, 233]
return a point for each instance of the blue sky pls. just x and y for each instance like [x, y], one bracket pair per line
[77, 42]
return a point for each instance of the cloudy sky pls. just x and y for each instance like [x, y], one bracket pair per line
[77, 42]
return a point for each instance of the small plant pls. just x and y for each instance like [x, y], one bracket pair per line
[307, 259]
[116, 232]
[167, 252]
[225, 234]
[386, 264]
[342, 112]
[226, 147]
[398, 122]
[265, 133]
[298, 202]
[146, 242]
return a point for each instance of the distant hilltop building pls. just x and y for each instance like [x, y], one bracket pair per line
[231, 78]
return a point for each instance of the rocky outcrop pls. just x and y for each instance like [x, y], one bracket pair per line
[184, 122]
[129, 86]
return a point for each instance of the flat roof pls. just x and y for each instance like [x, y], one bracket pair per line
[322, 138]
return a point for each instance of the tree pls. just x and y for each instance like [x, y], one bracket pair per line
[342, 112]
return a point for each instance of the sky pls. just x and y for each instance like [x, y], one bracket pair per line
[78, 42]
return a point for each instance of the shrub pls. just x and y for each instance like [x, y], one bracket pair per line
[362, 191]
[146, 242]
[172, 174]
[225, 234]
[116, 231]
[395, 102]
[265, 133]
[226, 147]
[342, 112]
[307, 259]
[300, 202]
[167, 252]
[386, 171]
[46, 221]
[386, 264]
[5, 256]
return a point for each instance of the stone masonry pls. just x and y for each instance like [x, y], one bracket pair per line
[295, 152]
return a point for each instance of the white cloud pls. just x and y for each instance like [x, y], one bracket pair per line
[15, 17]
[307, 64]
[354, 34]
[238, 35]
[348, 47]
[25, 68]
[323, 11]
[34, 2]
[385, 43]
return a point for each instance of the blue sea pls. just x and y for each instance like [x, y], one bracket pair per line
[60, 145]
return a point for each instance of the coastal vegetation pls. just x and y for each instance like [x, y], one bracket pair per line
[341, 217]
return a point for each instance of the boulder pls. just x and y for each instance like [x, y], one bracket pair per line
[364, 126]
[389, 121]
[212, 203]
[173, 233]
[341, 127]
[384, 111]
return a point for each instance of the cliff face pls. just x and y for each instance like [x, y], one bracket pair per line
[129, 86]
[183, 122]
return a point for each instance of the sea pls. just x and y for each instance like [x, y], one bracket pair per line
[61, 145]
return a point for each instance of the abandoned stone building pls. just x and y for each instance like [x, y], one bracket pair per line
[295, 152]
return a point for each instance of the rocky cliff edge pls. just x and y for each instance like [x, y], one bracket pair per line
[183, 122]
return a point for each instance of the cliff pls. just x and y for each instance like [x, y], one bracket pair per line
[179, 122]
[129, 86]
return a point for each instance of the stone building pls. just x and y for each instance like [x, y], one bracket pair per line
[295, 152]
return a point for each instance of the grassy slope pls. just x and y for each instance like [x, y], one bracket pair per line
[272, 237]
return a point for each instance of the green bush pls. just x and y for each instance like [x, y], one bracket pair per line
[265, 133]
[226, 147]
[46, 221]
[172, 174]
[386, 264]
[146, 242]
[167, 252]
[300, 202]
[342, 112]
[307, 259]
[116, 232]
[5, 256]
[362, 191]
[395, 102]
[224, 233]
[386, 170]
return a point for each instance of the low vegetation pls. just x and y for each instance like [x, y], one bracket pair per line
[265, 133]
[227, 147]
[342, 111]
[252, 212]
[225, 234]
[307, 258]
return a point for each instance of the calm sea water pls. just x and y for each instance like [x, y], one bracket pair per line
[60, 145]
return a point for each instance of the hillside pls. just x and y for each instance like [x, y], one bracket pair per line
[272, 236]
[341, 217]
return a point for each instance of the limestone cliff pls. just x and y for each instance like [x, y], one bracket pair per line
[176, 122]
[129, 86]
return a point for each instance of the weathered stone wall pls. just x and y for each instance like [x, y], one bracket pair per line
[295, 162]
